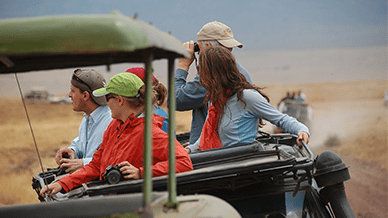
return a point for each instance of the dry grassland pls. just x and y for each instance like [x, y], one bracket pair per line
[354, 108]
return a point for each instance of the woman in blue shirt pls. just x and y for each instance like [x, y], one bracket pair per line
[238, 107]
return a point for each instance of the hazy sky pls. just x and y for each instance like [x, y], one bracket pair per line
[258, 24]
[284, 41]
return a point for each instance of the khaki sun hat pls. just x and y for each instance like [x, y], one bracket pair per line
[218, 31]
[124, 84]
[89, 80]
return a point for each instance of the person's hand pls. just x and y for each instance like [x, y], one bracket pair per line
[184, 63]
[302, 136]
[186, 144]
[63, 151]
[71, 165]
[54, 188]
[188, 150]
[129, 171]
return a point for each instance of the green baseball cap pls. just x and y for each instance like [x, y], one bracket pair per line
[124, 84]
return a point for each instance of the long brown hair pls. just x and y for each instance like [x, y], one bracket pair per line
[219, 75]
[161, 92]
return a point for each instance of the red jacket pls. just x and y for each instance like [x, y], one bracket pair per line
[124, 142]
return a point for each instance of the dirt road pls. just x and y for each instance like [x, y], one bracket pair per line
[357, 124]
[367, 189]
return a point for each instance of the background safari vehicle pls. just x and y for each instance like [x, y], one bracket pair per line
[37, 94]
[270, 178]
[60, 100]
[300, 110]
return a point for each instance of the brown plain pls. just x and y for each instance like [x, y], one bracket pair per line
[353, 112]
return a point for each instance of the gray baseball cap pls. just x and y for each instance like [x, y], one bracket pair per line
[89, 80]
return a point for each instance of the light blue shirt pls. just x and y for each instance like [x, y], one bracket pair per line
[90, 133]
[240, 122]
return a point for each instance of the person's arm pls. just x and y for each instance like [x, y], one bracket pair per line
[62, 152]
[54, 187]
[182, 159]
[257, 105]
[74, 146]
[129, 171]
[189, 95]
[88, 172]
[302, 136]
[160, 158]
[71, 165]
[193, 147]
[72, 180]
[85, 174]
[70, 162]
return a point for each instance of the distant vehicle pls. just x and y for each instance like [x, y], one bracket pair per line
[386, 98]
[298, 109]
[60, 100]
[37, 94]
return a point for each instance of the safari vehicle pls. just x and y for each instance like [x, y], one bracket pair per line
[270, 178]
[37, 94]
[273, 177]
[59, 100]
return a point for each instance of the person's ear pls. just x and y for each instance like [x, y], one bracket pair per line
[86, 95]
[121, 99]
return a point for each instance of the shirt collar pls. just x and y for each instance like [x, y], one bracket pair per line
[98, 112]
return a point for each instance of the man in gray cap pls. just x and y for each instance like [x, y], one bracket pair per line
[191, 95]
[97, 117]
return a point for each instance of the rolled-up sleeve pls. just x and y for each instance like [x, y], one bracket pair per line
[189, 95]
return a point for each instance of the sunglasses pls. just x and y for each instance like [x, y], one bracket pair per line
[76, 78]
[109, 96]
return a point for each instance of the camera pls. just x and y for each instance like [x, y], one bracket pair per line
[60, 170]
[196, 47]
[112, 174]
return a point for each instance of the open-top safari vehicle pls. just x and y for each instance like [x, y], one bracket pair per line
[273, 176]
[270, 178]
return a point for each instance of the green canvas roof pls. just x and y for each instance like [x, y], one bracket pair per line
[55, 42]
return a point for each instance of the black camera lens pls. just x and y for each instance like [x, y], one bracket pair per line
[113, 177]
[113, 174]
[196, 47]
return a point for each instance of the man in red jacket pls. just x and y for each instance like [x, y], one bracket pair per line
[123, 141]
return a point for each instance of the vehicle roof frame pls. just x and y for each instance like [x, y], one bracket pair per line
[57, 42]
